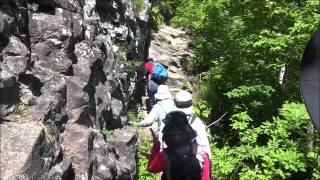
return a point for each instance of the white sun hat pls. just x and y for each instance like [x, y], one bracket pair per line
[183, 99]
[163, 93]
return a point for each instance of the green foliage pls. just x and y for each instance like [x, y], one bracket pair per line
[144, 151]
[202, 109]
[107, 132]
[313, 156]
[273, 150]
[172, 5]
[132, 116]
[132, 66]
[190, 14]
[243, 92]
[163, 39]
[51, 128]
[121, 54]
[19, 109]
[184, 84]
[240, 47]
[138, 5]
[157, 17]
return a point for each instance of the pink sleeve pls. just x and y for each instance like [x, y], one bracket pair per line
[157, 162]
[206, 168]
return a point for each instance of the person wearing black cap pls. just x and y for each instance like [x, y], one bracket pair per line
[178, 160]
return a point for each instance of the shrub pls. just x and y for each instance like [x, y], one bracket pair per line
[138, 6]
[19, 109]
[157, 18]
[273, 150]
[51, 128]
[144, 151]
[132, 66]
[121, 54]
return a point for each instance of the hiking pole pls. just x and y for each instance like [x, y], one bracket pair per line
[215, 122]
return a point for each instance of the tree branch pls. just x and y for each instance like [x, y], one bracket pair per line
[217, 120]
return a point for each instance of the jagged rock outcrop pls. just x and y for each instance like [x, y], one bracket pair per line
[26, 152]
[63, 64]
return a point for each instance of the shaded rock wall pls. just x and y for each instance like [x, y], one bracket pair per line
[60, 66]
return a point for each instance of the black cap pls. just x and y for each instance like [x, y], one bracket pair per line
[176, 122]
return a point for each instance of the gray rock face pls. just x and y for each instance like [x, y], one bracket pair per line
[125, 141]
[59, 64]
[14, 51]
[77, 144]
[93, 158]
[63, 170]
[26, 151]
[16, 56]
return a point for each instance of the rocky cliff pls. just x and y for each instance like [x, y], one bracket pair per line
[67, 71]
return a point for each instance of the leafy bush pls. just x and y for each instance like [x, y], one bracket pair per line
[138, 5]
[121, 54]
[240, 48]
[313, 155]
[132, 116]
[202, 109]
[144, 151]
[19, 109]
[132, 66]
[273, 150]
[107, 132]
[51, 128]
[184, 85]
[157, 18]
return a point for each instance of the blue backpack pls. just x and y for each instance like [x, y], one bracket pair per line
[159, 72]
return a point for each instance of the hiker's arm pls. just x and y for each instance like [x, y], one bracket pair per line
[146, 74]
[145, 123]
[152, 116]
[157, 161]
[202, 138]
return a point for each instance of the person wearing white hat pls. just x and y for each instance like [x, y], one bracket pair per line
[183, 101]
[159, 111]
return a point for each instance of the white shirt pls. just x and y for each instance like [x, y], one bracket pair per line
[200, 128]
[158, 113]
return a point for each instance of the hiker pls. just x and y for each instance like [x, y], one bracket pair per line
[155, 75]
[183, 102]
[164, 105]
[178, 160]
[148, 68]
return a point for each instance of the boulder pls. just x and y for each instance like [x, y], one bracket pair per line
[51, 41]
[60, 171]
[94, 158]
[77, 102]
[125, 142]
[77, 145]
[9, 90]
[103, 106]
[26, 150]
[16, 56]
[117, 111]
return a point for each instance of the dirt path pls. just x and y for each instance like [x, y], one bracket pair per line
[171, 47]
